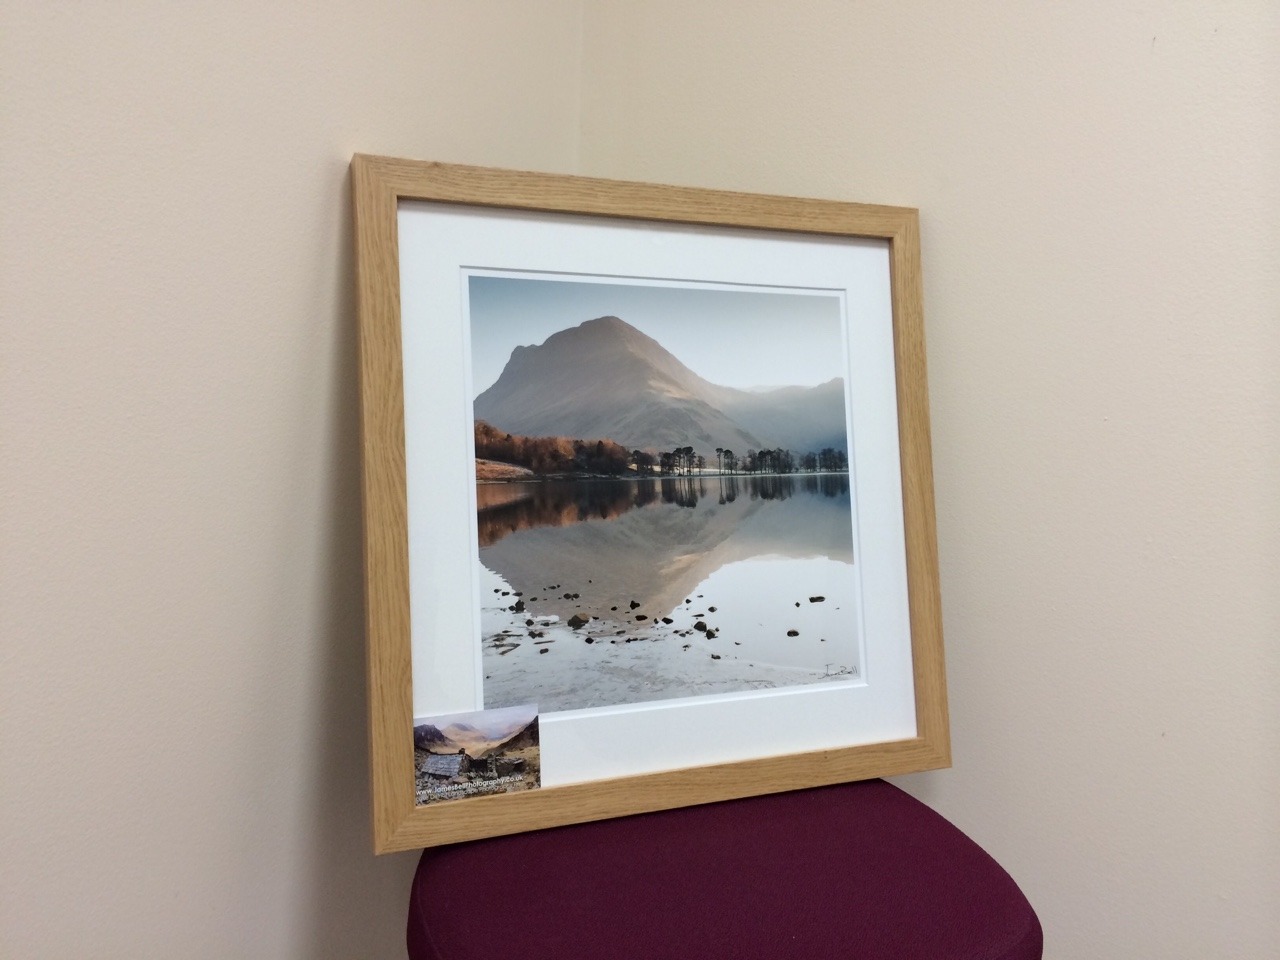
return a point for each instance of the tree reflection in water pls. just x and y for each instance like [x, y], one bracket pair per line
[505, 508]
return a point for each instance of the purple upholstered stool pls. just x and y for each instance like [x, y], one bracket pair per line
[860, 871]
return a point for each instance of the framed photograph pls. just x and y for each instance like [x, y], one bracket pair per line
[647, 495]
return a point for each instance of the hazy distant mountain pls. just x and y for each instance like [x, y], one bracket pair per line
[526, 736]
[810, 417]
[426, 736]
[604, 378]
[475, 742]
[457, 732]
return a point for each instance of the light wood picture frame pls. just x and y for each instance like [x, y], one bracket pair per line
[424, 233]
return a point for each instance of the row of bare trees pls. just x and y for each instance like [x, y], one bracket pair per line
[552, 455]
[684, 461]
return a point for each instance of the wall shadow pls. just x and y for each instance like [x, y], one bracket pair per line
[355, 904]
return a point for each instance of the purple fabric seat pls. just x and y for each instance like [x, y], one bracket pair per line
[859, 871]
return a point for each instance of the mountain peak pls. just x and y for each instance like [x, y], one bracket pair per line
[598, 343]
[605, 378]
[599, 329]
[609, 321]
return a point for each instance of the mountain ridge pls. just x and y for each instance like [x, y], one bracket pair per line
[605, 378]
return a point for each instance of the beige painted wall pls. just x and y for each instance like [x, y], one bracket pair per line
[181, 739]
[1100, 194]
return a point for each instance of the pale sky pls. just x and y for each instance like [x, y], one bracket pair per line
[729, 336]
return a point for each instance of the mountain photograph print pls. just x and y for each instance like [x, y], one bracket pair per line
[476, 753]
[662, 491]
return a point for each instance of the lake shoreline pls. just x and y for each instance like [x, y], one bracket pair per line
[610, 659]
[634, 478]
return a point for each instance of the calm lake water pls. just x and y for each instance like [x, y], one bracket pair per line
[604, 592]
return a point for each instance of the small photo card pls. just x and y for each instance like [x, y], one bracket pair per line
[474, 754]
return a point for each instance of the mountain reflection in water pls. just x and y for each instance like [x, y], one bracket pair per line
[604, 592]
[611, 543]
